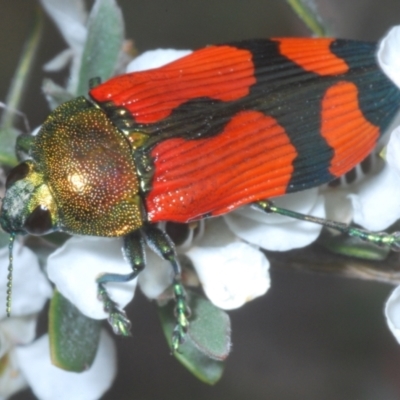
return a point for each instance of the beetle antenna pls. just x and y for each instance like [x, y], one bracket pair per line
[10, 273]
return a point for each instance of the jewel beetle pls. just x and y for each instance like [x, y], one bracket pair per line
[225, 126]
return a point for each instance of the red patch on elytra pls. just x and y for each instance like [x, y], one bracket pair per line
[251, 159]
[313, 55]
[218, 72]
[345, 128]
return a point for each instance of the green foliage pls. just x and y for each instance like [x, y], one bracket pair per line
[8, 137]
[8, 133]
[308, 13]
[354, 247]
[74, 338]
[208, 340]
[103, 43]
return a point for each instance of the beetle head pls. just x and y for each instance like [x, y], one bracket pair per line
[28, 206]
[82, 178]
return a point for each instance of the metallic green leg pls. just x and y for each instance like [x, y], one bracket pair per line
[134, 252]
[384, 239]
[162, 245]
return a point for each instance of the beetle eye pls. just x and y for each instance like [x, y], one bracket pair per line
[17, 173]
[39, 221]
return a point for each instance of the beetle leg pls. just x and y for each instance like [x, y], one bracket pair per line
[383, 239]
[134, 252]
[162, 245]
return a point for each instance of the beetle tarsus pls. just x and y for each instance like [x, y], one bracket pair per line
[182, 313]
[119, 322]
[382, 239]
[117, 318]
[134, 252]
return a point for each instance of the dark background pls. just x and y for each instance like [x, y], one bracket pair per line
[312, 336]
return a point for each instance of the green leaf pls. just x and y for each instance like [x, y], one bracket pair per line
[307, 12]
[74, 338]
[353, 247]
[210, 328]
[103, 43]
[8, 138]
[8, 134]
[21, 75]
[4, 238]
[207, 342]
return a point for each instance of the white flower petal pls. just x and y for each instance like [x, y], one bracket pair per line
[392, 313]
[338, 206]
[76, 265]
[377, 202]
[389, 55]
[393, 151]
[156, 277]
[49, 382]
[216, 234]
[155, 58]
[231, 275]
[20, 330]
[276, 232]
[31, 289]
[11, 378]
[303, 202]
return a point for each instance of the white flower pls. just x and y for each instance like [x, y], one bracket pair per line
[277, 232]
[75, 266]
[377, 202]
[156, 277]
[389, 55]
[25, 362]
[30, 292]
[388, 191]
[49, 382]
[31, 289]
[231, 272]
[14, 332]
[155, 58]
[392, 313]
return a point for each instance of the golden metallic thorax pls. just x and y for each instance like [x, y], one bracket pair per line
[89, 168]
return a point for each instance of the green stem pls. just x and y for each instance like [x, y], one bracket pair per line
[20, 79]
[309, 16]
